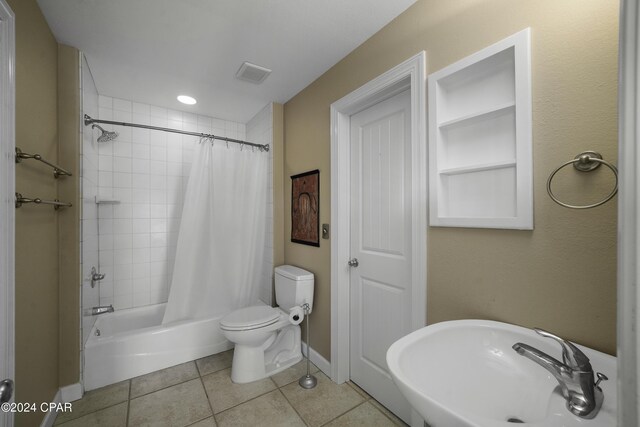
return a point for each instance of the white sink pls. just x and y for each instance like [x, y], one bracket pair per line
[465, 373]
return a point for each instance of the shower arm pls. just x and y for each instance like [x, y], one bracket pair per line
[88, 120]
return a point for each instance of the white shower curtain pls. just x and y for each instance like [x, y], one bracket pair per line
[219, 256]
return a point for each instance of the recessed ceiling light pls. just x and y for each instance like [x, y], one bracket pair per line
[186, 99]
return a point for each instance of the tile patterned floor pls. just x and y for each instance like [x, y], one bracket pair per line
[201, 394]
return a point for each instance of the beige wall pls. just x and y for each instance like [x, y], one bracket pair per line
[36, 226]
[44, 354]
[562, 275]
[69, 219]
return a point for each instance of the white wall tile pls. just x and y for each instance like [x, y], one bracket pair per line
[122, 105]
[140, 195]
[122, 148]
[140, 270]
[122, 116]
[103, 101]
[105, 163]
[139, 108]
[147, 172]
[140, 166]
[141, 240]
[259, 130]
[140, 151]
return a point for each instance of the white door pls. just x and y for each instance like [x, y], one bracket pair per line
[381, 239]
[7, 208]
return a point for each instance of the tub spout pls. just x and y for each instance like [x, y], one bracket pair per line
[102, 310]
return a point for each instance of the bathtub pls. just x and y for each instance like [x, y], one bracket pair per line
[133, 342]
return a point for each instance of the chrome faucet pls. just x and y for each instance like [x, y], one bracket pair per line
[574, 374]
[95, 277]
[102, 310]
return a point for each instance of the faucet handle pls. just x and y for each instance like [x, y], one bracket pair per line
[601, 377]
[572, 356]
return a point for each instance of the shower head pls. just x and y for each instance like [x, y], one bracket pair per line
[106, 135]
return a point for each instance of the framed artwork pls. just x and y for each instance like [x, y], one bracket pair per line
[305, 208]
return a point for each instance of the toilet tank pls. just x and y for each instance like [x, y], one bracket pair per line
[294, 286]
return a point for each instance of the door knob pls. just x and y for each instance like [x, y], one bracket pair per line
[6, 390]
[353, 262]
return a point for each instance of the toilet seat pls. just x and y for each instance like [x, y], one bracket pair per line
[250, 318]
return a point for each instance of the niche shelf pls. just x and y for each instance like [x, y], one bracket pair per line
[106, 201]
[480, 154]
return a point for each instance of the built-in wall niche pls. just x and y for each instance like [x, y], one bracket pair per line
[480, 155]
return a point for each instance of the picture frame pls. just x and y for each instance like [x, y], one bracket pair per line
[305, 208]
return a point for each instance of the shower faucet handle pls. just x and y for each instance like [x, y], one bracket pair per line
[95, 277]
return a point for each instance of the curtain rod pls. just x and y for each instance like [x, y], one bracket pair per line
[88, 120]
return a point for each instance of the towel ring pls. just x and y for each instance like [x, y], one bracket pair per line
[585, 162]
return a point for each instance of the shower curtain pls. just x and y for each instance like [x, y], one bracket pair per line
[219, 254]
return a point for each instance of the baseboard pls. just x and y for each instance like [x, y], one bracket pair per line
[71, 393]
[65, 394]
[323, 364]
[50, 417]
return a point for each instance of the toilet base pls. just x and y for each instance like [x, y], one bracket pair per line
[277, 354]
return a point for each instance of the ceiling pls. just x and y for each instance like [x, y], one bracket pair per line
[153, 50]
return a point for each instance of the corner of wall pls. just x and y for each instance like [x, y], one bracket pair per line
[278, 184]
[69, 219]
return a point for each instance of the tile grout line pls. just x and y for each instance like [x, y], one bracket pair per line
[164, 388]
[213, 415]
[291, 404]
[352, 409]
[128, 404]
[249, 400]
[92, 412]
[395, 422]
[370, 398]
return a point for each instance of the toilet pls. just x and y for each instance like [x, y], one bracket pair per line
[267, 339]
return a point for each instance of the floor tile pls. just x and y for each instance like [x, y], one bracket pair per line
[114, 416]
[323, 403]
[215, 363]
[268, 410]
[179, 405]
[293, 373]
[162, 379]
[224, 394]
[208, 422]
[397, 421]
[364, 415]
[95, 400]
[360, 391]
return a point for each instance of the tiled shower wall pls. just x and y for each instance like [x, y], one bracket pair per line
[260, 130]
[142, 180]
[89, 190]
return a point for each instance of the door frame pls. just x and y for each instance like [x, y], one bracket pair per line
[628, 216]
[411, 75]
[7, 194]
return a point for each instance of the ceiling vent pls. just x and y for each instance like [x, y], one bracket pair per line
[252, 73]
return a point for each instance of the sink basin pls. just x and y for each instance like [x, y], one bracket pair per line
[465, 373]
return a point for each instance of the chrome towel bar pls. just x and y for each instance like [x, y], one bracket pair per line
[57, 170]
[585, 162]
[57, 204]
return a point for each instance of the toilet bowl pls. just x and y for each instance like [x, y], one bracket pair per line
[266, 339]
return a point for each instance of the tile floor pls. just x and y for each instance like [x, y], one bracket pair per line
[201, 394]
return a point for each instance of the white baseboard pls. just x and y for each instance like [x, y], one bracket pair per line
[323, 364]
[50, 418]
[65, 394]
[71, 393]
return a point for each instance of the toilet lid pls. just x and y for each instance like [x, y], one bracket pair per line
[250, 318]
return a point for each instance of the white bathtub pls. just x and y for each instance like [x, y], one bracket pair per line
[135, 342]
